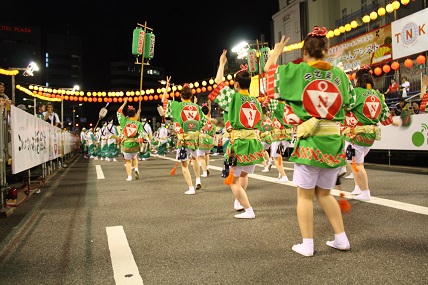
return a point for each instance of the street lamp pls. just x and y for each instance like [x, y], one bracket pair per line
[34, 106]
[75, 88]
[74, 116]
[28, 71]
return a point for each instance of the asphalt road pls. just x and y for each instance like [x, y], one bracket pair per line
[90, 226]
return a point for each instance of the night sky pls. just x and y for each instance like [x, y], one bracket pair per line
[189, 38]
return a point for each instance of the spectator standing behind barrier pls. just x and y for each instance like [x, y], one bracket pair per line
[401, 106]
[50, 116]
[22, 107]
[414, 109]
[318, 133]
[40, 110]
[5, 102]
[2, 94]
[405, 86]
[392, 91]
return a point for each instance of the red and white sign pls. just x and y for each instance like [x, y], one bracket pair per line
[409, 34]
[189, 112]
[322, 99]
[249, 115]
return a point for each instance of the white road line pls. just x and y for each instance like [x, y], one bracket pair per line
[100, 173]
[124, 267]
[373, 200]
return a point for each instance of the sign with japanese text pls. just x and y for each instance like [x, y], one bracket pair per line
[372, 48]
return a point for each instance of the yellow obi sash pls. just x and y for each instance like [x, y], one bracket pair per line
[243, 134]
[317, 127]
[190, 136]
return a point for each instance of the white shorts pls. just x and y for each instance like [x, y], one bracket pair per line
[130, 155]
[360, 152]
[275, 145]
[195, 153]
[266, 145]
[247, 168]
[307, 177]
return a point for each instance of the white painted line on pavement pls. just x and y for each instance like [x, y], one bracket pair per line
[373, 200]
[124, 267]
[100, 173]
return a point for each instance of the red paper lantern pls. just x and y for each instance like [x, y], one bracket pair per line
[378, 71]
[395, 65]
[408, 63]
[386, 68]
[420, 59]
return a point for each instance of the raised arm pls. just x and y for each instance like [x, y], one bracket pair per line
[277, 50]
[221, 65]
[168, 78]
[123, 105]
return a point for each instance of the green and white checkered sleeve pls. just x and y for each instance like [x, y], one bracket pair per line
[224, 98]
[168, 112]
[273, 103]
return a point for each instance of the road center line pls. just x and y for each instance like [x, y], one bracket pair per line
[124, 267]
[100, 173]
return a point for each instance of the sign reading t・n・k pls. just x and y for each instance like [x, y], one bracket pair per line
[409, 34]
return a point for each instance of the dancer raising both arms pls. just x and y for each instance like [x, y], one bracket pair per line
[132, 132]
[188, 121]
[317, 94]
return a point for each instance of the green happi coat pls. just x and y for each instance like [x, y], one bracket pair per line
[282, 129]
[132, 132]
[369, 109]
[317, 93]
[188, 121]
[206, 137]
[244, 115]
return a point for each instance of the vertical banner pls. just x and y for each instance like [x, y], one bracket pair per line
[149, 46]
[424, 103]
[137, 42]
[409, 34]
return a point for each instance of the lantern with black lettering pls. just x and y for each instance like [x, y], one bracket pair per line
[137, 42]
[252, 60]
[264, 55]
[149, 47]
